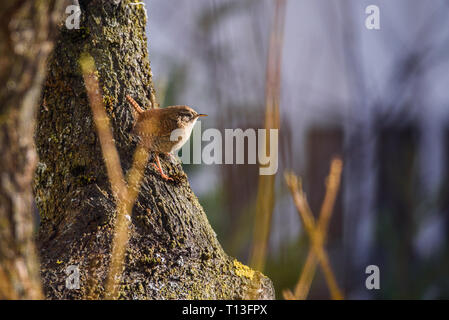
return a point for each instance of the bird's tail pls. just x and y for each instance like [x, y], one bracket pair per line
[134, 104]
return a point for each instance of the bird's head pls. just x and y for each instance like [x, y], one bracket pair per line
[184, 115]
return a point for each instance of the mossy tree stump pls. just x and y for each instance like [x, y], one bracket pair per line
[173, 253]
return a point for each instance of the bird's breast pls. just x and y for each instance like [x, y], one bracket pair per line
[181, 135]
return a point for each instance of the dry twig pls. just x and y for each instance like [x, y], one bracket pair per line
[265, 192]
[125, 193]
[317, 232]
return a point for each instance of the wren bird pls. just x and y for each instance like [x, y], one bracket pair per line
[155, 126]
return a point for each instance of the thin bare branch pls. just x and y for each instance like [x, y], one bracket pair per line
[265, 192]
[317, 232]
[125, 194]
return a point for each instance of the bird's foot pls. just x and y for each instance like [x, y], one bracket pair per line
[163, 175]
[159, 168]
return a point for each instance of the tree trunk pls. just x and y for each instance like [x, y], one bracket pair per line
[26, 28]
[173, 253]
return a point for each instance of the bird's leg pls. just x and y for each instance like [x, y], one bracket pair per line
[159, 168]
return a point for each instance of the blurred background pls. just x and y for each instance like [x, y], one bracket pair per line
[377, 98]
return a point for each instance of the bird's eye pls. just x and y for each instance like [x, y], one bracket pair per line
[186, 116]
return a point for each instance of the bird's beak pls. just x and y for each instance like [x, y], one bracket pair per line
[202, 115]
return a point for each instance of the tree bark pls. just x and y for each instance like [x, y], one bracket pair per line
[26, 30]
[173, 253]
